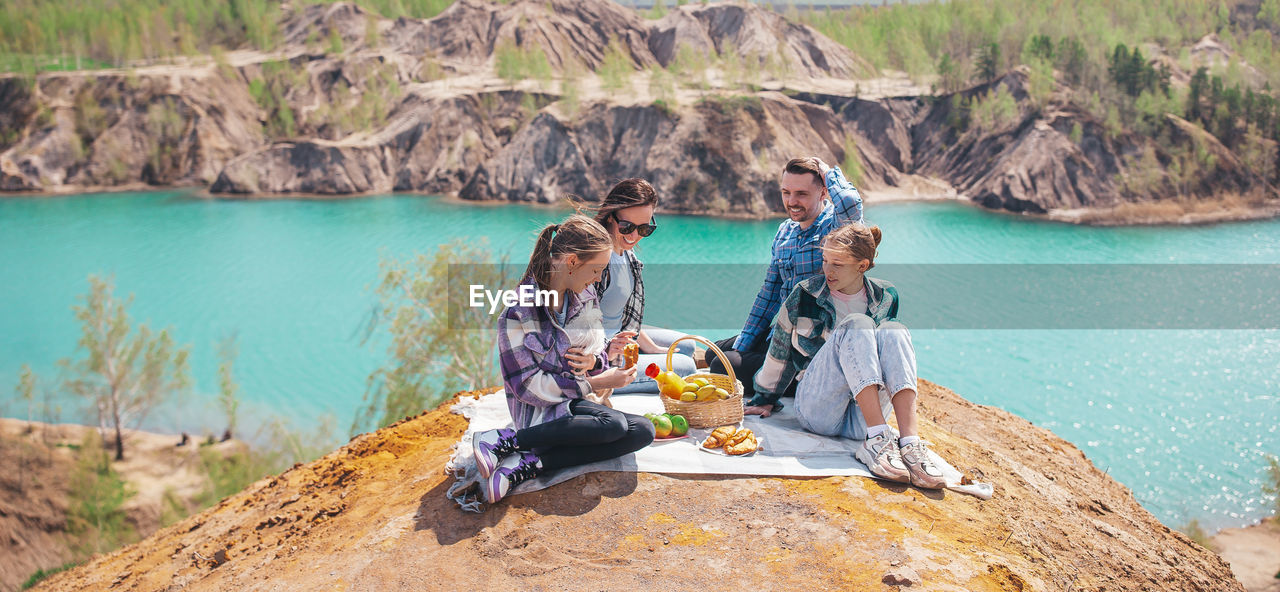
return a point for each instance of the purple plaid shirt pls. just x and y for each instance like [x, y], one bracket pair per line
[797, 255]
[531, 350]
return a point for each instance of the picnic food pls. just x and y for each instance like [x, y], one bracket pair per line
[670, 384]
[718, 436]
[742, 442]
[667, 425]
[679, 425]
[734, 441]
[631, 353]
[661, 426]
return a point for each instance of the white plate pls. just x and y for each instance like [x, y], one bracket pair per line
[720, 451]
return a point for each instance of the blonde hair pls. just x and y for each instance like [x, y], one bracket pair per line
[577, 235]
[857, 240]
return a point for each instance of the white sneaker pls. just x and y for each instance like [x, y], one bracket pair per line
[924, 474]
[880, 454]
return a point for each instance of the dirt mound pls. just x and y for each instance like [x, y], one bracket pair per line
[373, 516]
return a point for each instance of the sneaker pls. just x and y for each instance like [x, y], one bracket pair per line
[512, 471]
[924, 474]
[880, 454]
[491, 447]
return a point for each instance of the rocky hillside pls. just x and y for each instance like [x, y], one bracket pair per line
[44, 470]
[373, 516]
[355, 104]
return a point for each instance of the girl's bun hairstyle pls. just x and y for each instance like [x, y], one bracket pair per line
[857, 240]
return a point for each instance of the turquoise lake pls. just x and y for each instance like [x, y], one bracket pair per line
[1182, 417]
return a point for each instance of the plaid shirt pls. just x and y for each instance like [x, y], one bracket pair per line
[633, 310]
[531, 350]
[804, 325]
[797, 255]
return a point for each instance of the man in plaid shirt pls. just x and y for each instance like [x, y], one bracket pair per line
[807, 183]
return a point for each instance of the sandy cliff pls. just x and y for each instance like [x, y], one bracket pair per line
[373, 516]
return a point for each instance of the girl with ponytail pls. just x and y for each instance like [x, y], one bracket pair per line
[554, 388]
[839, 332]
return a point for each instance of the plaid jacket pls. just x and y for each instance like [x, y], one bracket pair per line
[797, 255]
[633, 310]
[531, 351]
[803, 326]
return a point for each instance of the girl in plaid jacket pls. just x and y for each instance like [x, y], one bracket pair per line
[552, 386]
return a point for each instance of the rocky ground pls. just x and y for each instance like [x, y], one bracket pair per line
[417, 106]
[373, 516]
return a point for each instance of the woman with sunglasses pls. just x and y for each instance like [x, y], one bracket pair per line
[627, 213]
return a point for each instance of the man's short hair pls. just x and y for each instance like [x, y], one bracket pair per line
[807, 165]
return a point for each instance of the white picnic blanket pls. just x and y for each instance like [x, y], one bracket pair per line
[786, 450]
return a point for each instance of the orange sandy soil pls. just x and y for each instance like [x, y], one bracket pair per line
[373, 516]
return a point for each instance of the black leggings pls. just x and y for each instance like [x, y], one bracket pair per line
[590, 433]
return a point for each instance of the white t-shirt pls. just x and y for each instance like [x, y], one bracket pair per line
[614, 299]
[846, 304]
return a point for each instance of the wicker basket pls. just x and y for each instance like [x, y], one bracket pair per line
[707, 414]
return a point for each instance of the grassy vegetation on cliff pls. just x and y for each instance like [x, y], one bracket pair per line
[40, 35]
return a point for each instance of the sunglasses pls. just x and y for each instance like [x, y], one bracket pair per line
[627, 227]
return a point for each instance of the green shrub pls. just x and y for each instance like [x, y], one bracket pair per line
[90, 118]
[1197, 534]
[951, 76]
[570, 95]
[616, 68]
[41, 574]
[1272, 484]
[270, 89]
[662, 86]
[95, 502]
[658, 10]
[1040, 83]
[430, 70]
[335, 42]
[164, 126]
[732, 104]
[514, 63]
[690, 67]
[994, 110]
[852, 165]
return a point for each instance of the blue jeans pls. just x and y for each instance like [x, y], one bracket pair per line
[682, 362]
[858, 354]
